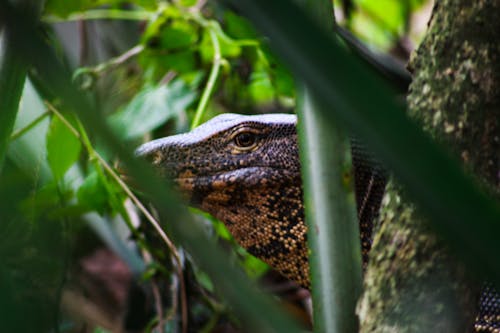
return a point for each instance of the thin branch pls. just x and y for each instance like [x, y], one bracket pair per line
[199, 5]
[17, 134]
[111, 63]
[73, 130]
[156, 294]
[103, 14]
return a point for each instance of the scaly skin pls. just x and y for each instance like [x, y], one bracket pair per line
[245, 171]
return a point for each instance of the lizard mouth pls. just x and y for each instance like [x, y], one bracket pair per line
[223, 186]
[246, 177]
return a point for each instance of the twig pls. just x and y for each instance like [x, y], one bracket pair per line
[84, 42]
[113, 62]
[103, 14]
[199, 5]
[26, 128]
[169, 76]
[156, 293]
[140, 206]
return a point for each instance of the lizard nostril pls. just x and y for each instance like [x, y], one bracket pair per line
[149, 152]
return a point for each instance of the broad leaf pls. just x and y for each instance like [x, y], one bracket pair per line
[151, 108]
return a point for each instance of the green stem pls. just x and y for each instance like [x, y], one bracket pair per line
[28, 127]
[214, 73]
[12, 77]
[111, 63]
[330, 210]
[103, 14]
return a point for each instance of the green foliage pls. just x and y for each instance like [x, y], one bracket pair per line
[162, 85]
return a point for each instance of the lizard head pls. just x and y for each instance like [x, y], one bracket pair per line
[231, 146]
[245, 171]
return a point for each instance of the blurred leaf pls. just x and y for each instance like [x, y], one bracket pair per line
[92, 194]
[44, 200]
[181, 62]
[238, 26]
[388, 13]
[156, 65]
[151, 108]
[254, 267]
[280, 76]
[368, 30]
[32, 259]
[152, 34]
[228, 47]
[28, 152]
[179, 34]
[203, 279]
[220, 229]
[63, 148]
[260, 87]
[12, 77]
[188, 3]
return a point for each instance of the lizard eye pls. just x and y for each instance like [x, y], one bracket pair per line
[245, 140]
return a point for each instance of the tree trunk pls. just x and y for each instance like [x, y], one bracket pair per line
[412, 283]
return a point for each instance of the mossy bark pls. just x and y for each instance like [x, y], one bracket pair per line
[413, 284]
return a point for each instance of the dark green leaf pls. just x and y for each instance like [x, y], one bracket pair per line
[12, 76]
[238, 26]
[179, 34]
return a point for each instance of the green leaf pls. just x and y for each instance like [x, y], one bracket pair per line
[151, 108]
[92, 194]
[228, 47]
[63, 148]
[254, 267]
[44, 201]
[238, 27]
[156, 65]
[179, 34]
[387, 13]
[261, 88]
[188, 3]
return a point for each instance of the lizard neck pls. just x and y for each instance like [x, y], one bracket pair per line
[268, 220]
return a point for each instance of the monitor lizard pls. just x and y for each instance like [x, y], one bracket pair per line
[245, 171]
